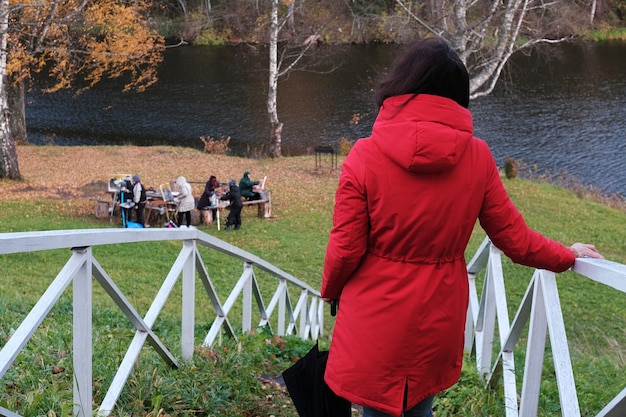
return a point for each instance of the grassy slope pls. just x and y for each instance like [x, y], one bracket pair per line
[59, 191]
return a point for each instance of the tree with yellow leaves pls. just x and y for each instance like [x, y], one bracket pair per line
[69, 41]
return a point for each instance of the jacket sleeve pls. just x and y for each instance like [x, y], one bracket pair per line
[508, 231]
[348, 238]
[182, 191]
[137, 193]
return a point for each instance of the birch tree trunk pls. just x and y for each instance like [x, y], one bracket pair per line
[593, 11]
[272, 92]
[8, 164]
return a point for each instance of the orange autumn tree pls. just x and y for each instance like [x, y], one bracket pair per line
[69, 41]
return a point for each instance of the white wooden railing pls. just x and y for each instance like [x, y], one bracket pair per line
[540, 308]
[487, 314]
[304, 319]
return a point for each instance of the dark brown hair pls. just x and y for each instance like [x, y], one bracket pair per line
[428, 66]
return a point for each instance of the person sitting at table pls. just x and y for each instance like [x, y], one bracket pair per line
[234, 196]
[209, 197]
[186, 202]
[247, 187]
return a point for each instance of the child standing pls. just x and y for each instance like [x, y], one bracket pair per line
[234, 196]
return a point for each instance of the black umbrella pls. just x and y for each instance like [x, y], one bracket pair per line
[308, 391]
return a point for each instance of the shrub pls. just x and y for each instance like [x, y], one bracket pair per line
[216, 146]
[510, 167]
[344, 146]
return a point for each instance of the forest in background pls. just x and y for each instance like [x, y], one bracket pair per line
[206, 22]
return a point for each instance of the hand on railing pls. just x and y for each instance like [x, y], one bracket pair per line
[584, 250]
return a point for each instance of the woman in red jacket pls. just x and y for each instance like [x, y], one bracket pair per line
[407, 202]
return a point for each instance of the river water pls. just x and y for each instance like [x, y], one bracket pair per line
[563, 110]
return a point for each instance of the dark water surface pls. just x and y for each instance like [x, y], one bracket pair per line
[564, 114]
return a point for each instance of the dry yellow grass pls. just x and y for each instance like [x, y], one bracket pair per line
[80, 174]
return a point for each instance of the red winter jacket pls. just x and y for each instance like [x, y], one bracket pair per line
[407, 202]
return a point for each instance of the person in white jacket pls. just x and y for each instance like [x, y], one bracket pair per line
[186, 201]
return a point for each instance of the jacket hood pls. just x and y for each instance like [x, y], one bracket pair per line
[423, 134]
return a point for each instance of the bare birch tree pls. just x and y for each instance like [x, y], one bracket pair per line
[485, 33]
[281, 64]
[276, 127]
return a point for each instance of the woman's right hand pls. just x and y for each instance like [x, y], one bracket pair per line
[584, 250]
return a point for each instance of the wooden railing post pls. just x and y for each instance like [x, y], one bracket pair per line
[282, 308]
[246, 325]
[83, 350]
[188, 303]
[303, 314]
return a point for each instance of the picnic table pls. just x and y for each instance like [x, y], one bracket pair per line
[157, 206]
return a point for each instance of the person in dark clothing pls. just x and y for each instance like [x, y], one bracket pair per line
[209, 197]
[247, 187]
[209, 189]
[139, 198]
[126, 196]
[234, 196]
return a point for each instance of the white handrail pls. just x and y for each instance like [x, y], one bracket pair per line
[82, 267]
[540, 308]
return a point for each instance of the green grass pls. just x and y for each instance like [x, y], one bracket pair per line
[235, 379]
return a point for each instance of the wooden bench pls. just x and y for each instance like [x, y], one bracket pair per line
[264, 204]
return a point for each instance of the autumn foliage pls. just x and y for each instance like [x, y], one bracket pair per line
[89, 40]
